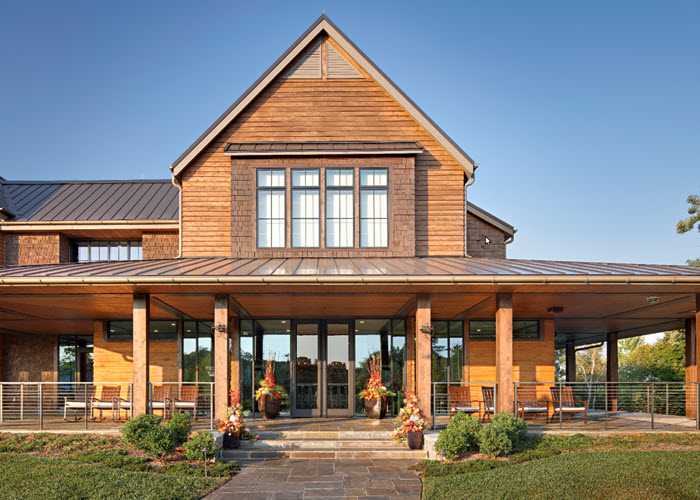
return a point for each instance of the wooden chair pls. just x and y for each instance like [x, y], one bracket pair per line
[488, 395]
[125, 404]
[459, 400]
[109, 400]
[82, 401]
[187, 401]
[568, 404]
[527, 402]
[161, 399]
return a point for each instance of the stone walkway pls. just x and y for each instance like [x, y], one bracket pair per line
[288, 479]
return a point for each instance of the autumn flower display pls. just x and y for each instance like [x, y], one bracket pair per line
[268, 386]
[234, 421]
[375, 388]
[410, 416]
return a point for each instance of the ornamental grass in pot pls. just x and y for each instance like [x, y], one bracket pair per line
[413, 423]
[375, 393]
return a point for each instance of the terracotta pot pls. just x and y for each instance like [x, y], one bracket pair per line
[414, 440]
[375, 408]
[269, 408]
[232, 440]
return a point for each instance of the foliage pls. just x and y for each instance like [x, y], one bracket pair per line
[375, 388]
[433, 468]
[411, 417]
[268, 386]
[515, 428]
[662, 361]
[494, 440]
[685, 225]
[181, 424]
[197, 443]
[234, 421]
[135, 430]
[148, 433]
[460, 436]
[160, 441]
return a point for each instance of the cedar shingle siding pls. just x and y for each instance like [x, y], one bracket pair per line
[36, 248]
[159, 245]
[477, 232]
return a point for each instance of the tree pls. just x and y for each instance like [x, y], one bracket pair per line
[663, 361]
[685, 225]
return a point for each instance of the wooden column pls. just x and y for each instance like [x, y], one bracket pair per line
[692, 356]
[221, 356]
[411, 354]
[142, 313]
[236, 354]
[570, 361]
[424, 347]
[504, 351]
[465, 351]
[612, 376]
[180, 346]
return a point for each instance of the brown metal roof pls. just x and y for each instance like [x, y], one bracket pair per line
[85, 201]
[462, 270]
[322, 148]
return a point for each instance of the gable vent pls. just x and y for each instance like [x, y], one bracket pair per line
[309, 66]
[338, 66]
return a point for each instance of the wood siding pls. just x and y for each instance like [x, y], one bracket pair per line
[36, 248]
[323, 110]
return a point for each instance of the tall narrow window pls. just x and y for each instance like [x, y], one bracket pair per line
[306, 207]
[271, 208]
[374, 206]
[340, 209]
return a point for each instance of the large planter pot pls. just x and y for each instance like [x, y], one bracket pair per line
[232, 440]
[269, 408]
[414, 440]
[375, 408]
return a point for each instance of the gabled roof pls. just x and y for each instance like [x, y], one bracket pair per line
[91, 201]
[323, 24]
[491, 219]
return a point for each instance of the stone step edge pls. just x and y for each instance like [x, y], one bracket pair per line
[247, 454]
[321, 444]
[341, 435]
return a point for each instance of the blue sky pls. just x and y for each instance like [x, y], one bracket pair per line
[583, 116]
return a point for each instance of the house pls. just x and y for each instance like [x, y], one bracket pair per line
[322, 218]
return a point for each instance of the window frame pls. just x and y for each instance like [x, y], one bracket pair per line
[77, 244]
[107, 337]
[341, 189]
[292, 218]
[258, 189]
[538, 322]
[361, 188]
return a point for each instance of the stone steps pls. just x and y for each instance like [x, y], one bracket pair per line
[316, 435]
[370, 452]
[321, 444]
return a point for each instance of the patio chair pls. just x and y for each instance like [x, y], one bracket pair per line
[568, 404]
[124, 404]
[527, 402]
[109, 400]
[488, 395]
[82, 401]
[459, 400]
[189, 394]
[161, 399]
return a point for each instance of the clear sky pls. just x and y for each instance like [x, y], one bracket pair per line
[584, 116]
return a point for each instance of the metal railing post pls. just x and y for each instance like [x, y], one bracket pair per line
[667, 410]
[651, 400]
[606, 406]
[41, 407]
[434, 409]
[211, 406]
[697, 406]
[495, 399]
[149, 410]
[2, 400]
[561, 406]
[131, 400]
[21, 402]
[87, 403]
[515, 399]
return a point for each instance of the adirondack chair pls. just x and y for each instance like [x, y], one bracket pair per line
[488, 395]
[161, 399]
[459, 400]
[187, 401]
[83, 400]
[109, 400]
[528, 403]
[568, 403]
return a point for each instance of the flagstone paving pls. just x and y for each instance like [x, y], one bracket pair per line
[291, 479]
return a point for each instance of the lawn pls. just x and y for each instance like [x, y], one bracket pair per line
[618, 474]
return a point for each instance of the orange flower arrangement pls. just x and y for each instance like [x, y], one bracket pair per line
[374, 388]
[411, 417]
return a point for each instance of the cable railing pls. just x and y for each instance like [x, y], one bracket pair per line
[477, 399]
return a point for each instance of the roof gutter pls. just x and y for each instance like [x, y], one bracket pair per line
[88, 224]
[471, 181]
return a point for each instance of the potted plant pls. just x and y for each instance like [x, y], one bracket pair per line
[375, 393]
[234, 427]
[269, 395]
[413, 422]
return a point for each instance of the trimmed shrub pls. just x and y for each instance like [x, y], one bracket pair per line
[161, 441]
[459, 436]
[181, 425]
[134, 430]
[494, 440]
[514, 427]
[195, 445]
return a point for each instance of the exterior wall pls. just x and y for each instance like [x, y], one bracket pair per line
[401, 203]
[159, 245]
[36, 248]
[2, 253]
[29, 358]
[477, 232]
[323, 110]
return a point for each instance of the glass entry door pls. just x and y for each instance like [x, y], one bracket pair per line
[323, 368]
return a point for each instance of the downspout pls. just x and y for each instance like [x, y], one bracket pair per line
[178, 185]
[466, 185]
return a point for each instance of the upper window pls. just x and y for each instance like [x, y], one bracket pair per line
[271, 208]
[340, 208]
[522, 330]
[124, 330]
[306, 208]
[97, 251]
[374, 207]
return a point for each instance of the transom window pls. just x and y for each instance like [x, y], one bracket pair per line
[271, 208]
[374, 207]
[98, 251]
[522, 330]
[306, 207]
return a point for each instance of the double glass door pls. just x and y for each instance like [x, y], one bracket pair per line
[323, 368]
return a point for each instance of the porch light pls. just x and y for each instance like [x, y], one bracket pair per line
[653, 299]
[283, 321]
[173, 324]
[427, 329]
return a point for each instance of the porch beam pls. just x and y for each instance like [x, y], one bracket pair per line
[141, 318]
[504, 351]
[20, 314]
[424, 354]
[221, 355]
[164, 306]
[237, 308]
[407, 309]
[480, 306]
[570, 361]
[612, 370]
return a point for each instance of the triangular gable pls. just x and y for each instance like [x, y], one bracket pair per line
[309, 66]
[323, 24]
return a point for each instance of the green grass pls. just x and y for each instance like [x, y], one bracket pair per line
[29, 476]
[619, 474]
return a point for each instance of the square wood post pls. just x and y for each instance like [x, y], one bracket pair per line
[692, 355]
[424, 349]
[236, 354]
[221, 356]
[411, 354]
[504, 351]
[142, 314]
[570, 361]
[612, 375]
